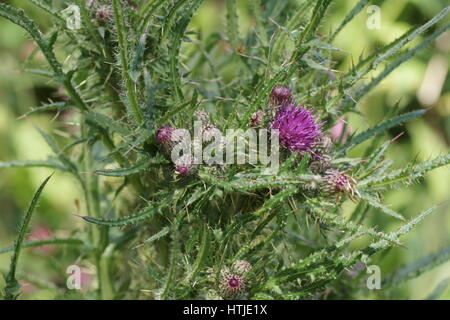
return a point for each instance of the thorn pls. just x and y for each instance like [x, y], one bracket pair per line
[79, 216]
[397, 136]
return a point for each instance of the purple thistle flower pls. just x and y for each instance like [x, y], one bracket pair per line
[234, 282]
[231, 286]
[298, 128]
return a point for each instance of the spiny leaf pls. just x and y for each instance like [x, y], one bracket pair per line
[49, 163]
[403, 57]
[162, 233]
[418, 267]
[17, 16]
[55, 148]
[108, 123]
[201, 255]
[439, 290]
[411, 35]
[12, 286]
[139, 216]
[404, 229]
[140, 166]
[376, 204]
[379, 128]
[137, 58]
[408, 174]
[123, 50]
[59, 106]
[355, 10]
[48, 9]
[43, 242]
[232, 23]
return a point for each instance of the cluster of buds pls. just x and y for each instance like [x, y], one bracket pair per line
[232, 280]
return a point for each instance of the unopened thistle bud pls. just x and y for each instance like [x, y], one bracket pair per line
[164, 136]
[202, 116]
[241, 267]
[184, 165]
[104, 12]
[210, 131]
[256, 118]
[280, 95]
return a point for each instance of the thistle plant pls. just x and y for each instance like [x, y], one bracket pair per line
[136, 71]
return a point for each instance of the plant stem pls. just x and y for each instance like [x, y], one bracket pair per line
[123, 48]
[99, 234]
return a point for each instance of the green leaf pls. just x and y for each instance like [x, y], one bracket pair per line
[48, 9]
[418, 267]
[122, 39]
[12, 286]
[173, 263]
[162, 233]
[140, 166]
[403, 57]
[18, 17]
[380, 128]
[139, 216]
[49, 163]
[404, 229]
[232, 23]
[58, 106]
[376, 204]
[107, 122]
[43, 242]
[408, 174]
[349, 17]
[137, 58]
[439, 290]
[201, 255]
[55, 148]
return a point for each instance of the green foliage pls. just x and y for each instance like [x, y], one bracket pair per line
[142, 67]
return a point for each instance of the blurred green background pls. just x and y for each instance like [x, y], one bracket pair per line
[421, 82]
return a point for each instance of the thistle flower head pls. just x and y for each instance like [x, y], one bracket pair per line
[280, 95]
[340, 182]
[164, 134]
[298, 128]
[184, 165]
[231, 285]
